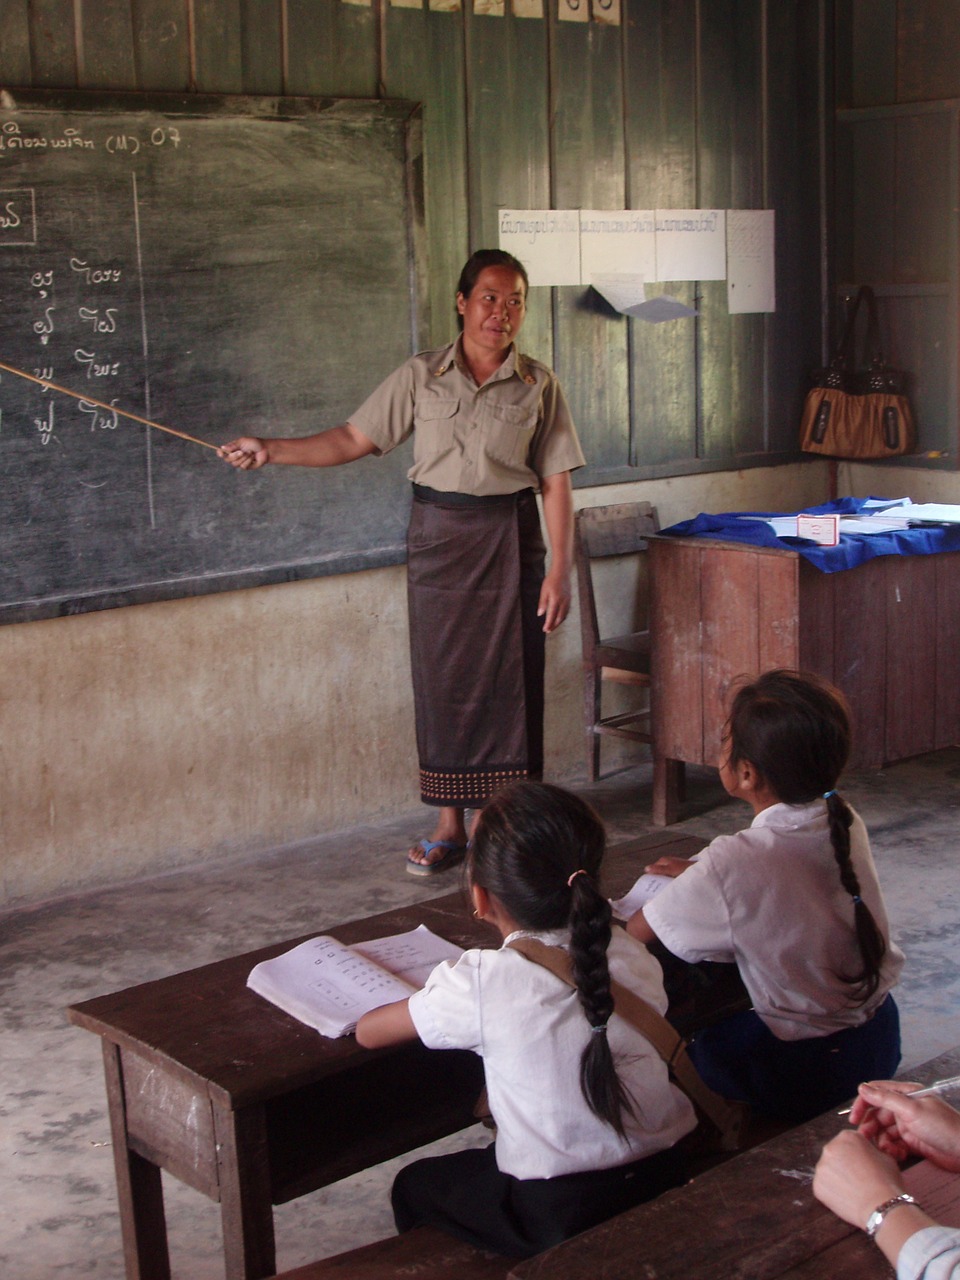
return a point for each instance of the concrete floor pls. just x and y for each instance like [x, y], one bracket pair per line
[56, 1169]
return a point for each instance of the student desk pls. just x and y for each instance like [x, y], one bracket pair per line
[887, 632]
[753, 1218]
[224, 1091]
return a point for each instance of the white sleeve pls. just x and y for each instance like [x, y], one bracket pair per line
[446, 1012]
[690, 915]
[930, 1254]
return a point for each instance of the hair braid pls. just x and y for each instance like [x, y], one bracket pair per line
[590, 917]
[869, 937]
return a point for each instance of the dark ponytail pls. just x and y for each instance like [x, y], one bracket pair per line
[590, 917]
[794, 728]
[869, 937]
[538, 849]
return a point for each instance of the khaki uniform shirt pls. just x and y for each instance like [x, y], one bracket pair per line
[495, 439]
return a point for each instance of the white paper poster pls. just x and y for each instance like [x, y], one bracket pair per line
[691, 244]
[547, 242]
[750, 261]
[617, 242]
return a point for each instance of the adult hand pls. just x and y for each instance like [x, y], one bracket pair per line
[900, 1125]
[555, 597]
[246, 452]
[852, 1178]
[667, 866]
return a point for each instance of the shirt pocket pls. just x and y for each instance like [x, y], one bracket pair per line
[509, 432]
[434, 419]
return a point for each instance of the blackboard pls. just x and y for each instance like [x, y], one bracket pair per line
[221, 266]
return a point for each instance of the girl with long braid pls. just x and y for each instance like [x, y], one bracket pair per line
[585, 1113]
[794, 900]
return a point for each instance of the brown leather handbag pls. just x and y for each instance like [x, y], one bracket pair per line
[858, 412]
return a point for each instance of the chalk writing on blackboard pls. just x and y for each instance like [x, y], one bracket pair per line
[218, 265]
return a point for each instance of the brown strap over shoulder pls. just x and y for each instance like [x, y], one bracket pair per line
[728, 1118]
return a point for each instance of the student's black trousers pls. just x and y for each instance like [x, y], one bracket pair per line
[466, 1195]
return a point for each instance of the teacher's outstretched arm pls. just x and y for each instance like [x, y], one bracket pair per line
[331, 448]
[555, 594]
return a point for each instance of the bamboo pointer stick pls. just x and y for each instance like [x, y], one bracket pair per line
[110, 408]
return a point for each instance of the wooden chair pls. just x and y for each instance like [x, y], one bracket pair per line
[600, 532]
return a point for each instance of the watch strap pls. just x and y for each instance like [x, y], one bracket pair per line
[875, 1221]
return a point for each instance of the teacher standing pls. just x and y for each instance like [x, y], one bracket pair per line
[490, 428]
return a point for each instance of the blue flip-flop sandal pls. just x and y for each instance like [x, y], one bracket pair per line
[453, 852]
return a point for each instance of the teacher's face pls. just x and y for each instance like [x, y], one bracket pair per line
[494, 309]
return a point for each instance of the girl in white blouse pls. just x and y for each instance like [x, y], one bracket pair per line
[794, 900]
[586, 1115]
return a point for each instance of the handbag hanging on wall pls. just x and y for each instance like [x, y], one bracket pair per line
[858, 412]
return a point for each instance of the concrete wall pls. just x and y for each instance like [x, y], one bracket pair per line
[154, 736]
[878, 480]
[141, 739]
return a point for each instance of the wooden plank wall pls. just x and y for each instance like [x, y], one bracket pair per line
[683, 103]
[896, 214]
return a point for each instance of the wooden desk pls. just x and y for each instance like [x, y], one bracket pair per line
[753, 1218]
[887, 633]
[230, 1095]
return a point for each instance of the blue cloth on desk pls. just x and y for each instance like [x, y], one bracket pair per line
[853, 549]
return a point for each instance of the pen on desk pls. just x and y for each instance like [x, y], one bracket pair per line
[940, 1086]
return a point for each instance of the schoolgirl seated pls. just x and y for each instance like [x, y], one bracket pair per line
[586, 1116]
[795, 901]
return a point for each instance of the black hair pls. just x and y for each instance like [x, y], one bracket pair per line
[529, 841]
[794, 728]
[478, 261]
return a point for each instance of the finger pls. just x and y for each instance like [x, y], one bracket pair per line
[550, 611]
[879, 1092]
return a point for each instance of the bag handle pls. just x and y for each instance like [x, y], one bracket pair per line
[845, 355]
[728, 1118]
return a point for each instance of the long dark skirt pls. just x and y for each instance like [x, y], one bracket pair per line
[466, 1195]
[796, 1080]
[474, 572]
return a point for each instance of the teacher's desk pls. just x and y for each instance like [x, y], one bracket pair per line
[887, 632]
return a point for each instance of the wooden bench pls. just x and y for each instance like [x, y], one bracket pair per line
[754, 1213]
[426, 1253]
[430, 1254]
[754, 1217]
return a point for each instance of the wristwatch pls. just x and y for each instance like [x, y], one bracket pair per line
[876, 1218]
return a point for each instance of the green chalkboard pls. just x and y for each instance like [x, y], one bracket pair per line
[217, 265]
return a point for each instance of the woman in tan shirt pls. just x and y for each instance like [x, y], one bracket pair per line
[490, 427]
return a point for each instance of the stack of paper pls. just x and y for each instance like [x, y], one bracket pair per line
[933, 513]
[884, 522]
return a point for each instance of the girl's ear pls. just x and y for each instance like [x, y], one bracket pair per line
[752, 786]
[749, 776]
[461, 303]
[481, 901]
